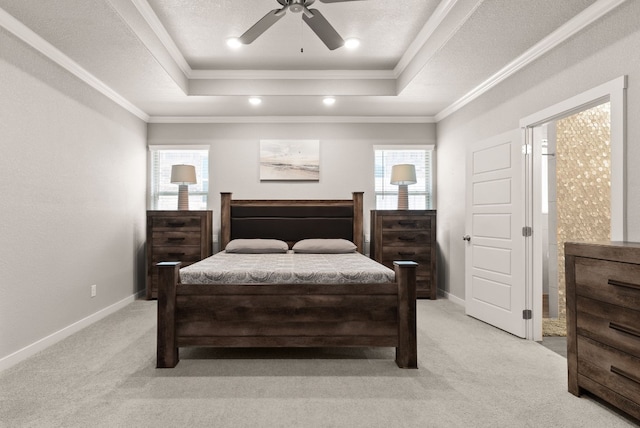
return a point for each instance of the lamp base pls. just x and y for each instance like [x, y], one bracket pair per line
[403, 197]
[183, 197]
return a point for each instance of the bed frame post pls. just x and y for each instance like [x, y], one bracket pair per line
[225, 219]
[358, 237]
[406, 352]
[167, 347]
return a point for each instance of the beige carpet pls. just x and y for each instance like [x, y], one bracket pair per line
[471, 375]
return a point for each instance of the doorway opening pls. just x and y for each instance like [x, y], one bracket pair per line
[575, 197]
[583, 196]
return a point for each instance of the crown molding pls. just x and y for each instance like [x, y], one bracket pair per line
[563, 33]
[25, 34]
[435, 20]
[160, 31]
[291, 119]
[292, 74]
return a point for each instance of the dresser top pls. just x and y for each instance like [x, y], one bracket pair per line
[628, 252]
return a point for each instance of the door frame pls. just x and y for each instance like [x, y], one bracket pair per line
[613, 91]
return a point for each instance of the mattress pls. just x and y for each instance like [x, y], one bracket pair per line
[286, 268]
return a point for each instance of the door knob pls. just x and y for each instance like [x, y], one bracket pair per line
[466, 238]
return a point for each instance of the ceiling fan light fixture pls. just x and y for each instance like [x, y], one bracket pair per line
[234, 42]
[351, 43]
[329, 101]
[255, 101]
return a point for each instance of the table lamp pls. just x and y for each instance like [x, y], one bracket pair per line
[403, 175]
[183, 175]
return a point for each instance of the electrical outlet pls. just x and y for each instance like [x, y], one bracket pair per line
[94, 290]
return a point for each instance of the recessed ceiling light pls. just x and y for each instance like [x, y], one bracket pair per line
[329, 101]
[234, 42]
[255, 101]
[351, 43]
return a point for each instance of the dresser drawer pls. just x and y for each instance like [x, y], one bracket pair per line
[406, 238]
[183, 222]
[176, 253]
[615, 326]
[608, 281]
[391, 222]
[611, 368]
[416, 254]
[175, 238]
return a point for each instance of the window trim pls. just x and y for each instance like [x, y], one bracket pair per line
[155, 147]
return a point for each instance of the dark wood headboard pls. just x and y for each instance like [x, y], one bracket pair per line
[291, 220]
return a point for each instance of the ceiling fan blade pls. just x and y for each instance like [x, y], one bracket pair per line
[261, 26]
[323, 29]
[337, 1]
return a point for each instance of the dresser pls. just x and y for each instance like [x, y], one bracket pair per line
[407, 235]
[183, 236]
[603, 322]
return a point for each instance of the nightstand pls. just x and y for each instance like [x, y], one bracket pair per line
[407, 235]
[183, 236]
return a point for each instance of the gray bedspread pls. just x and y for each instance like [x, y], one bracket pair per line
[288, 268]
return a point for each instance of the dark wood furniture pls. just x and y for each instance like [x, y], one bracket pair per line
[183, 236]
[603, 321]
[288, 315]
[407, 235]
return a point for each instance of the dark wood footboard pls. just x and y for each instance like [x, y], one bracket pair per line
[287, 315]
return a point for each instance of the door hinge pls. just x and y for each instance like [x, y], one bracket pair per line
[527, 231]
[526, 314]
[526, 149]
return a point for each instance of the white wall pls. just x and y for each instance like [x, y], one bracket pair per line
[346, 157]
[72, 184]
[598, 54]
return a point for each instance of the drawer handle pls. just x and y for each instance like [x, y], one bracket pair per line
[406, 223]
[407, 238]
[175, 254]
[401, 253]
[625, 374]
[624, 329]
[176, 223]
[175, 239]
[623, 284]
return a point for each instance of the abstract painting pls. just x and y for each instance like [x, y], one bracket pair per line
[290, 160]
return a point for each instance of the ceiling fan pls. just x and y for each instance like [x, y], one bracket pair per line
[314, 19]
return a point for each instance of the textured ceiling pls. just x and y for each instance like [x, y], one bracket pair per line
[168, 58]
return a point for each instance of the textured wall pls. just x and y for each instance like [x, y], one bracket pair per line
[583, 186]
[598, 54]
[73, 184]
[346, 157]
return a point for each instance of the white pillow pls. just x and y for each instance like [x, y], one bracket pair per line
[256, 246]
[324, 246]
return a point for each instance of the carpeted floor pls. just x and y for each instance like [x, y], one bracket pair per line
[471, 375]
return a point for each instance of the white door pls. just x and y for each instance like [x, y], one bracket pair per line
[494, 241]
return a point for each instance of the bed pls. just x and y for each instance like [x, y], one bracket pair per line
[259, 310]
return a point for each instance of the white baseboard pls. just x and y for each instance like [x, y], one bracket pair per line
[30, 350]
[453, 298]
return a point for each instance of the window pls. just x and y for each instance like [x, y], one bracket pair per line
[164, 194]
[420, 194]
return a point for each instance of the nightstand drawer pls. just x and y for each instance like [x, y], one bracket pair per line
[417, 254]
[613, 282]
[612, 325]
[406, 238]
[176, 253]
[175, 238]
[391, 222]
[609, 367]
[182, 222]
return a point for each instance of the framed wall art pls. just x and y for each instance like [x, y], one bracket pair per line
[289, 160]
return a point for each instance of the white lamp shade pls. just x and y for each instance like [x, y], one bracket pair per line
[403, 174]
[183, 174]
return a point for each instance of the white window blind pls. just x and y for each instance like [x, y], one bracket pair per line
[420, 194]
[164, 194]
